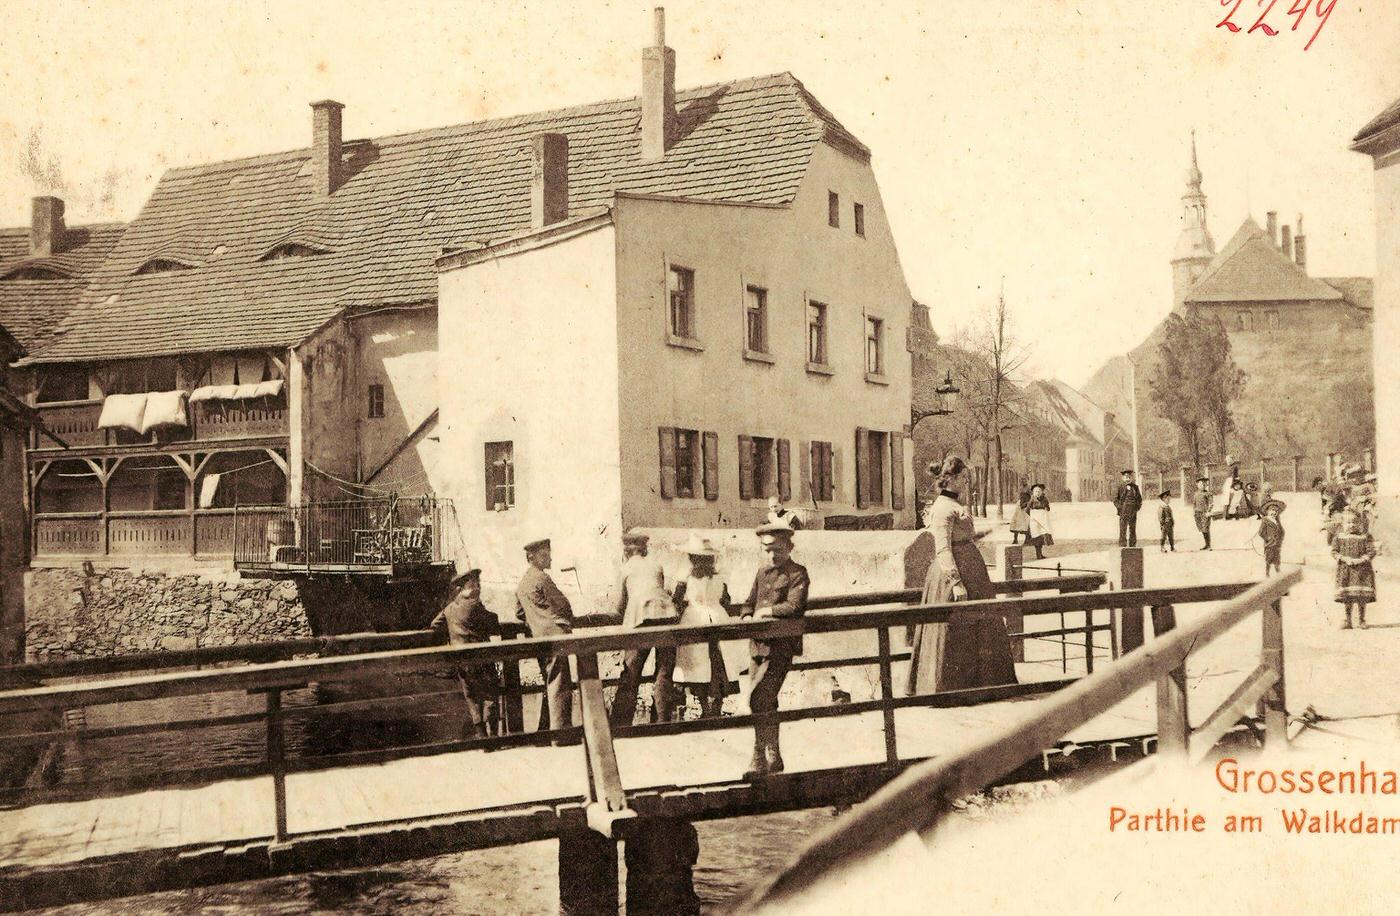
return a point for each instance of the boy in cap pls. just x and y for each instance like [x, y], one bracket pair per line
[1271, 533]
[1203, 506]
[1165, 521]
[642, 601]
[466, 620]
[544, 610]
[779, 591]
[1128, 502]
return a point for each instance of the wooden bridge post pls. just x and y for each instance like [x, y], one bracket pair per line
[1274, 708]
[1130, 618]
[661, 854]
[1012, 559]
[277, 760]
[512, 707]
[887, 695]
[587, 874]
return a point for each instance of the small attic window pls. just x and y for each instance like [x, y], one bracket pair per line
[162, 265]
[35, 272]
[291, 250]
[219, 251]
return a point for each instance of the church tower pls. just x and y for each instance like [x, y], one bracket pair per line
[1194, 247]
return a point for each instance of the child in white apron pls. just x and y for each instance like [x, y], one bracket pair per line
[707, 669]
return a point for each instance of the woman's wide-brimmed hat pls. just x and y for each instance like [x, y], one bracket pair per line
[697, 546]
[1278, 504]
[779, 527]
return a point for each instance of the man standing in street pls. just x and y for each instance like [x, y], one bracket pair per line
[1203, 507]
[779, 591]
[1127, 501]
[466, 620]
[544, 610]
[642, 601]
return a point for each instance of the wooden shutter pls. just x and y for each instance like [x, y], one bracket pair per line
[896, 471]
[828, 473]
[711, 448]
[806, 455]
[862, 467]
[784, 470]
[666, 440]
[836, 483]
[745, 467]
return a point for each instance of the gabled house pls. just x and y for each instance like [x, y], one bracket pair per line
[1097, 447]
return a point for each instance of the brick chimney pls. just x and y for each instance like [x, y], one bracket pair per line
[1287, 246]
[1300, 247]
[658, 93]
[1272, 228]
[549, 179]
[46, 227]
[325, 146]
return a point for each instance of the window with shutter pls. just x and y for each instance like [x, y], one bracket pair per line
[666, 438]
[745, 467]
[711, 448]
[822, 471]
[862, 467]
[896, 471]
[784, 470]
[688, 467]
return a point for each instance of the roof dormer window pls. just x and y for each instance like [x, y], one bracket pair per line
[291, 250]
[162, 265]
[36, 272]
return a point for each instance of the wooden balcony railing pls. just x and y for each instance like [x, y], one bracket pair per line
[204, 533]
[75, 422]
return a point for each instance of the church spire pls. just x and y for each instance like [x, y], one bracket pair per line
[1194, 246]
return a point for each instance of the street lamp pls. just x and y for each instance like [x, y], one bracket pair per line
[947, 394]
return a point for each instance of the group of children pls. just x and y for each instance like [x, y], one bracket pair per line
[1352, 547]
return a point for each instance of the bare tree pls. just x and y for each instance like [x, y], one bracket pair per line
[987, 376]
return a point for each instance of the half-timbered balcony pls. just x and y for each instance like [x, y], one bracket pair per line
[75, 422]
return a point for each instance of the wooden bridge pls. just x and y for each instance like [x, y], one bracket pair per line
[642, 784]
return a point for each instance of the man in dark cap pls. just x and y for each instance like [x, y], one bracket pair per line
[544, 610]
[1128, 501]
[642, 601]
[466, 620]
[779, 591]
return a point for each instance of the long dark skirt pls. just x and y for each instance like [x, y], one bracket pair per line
[954, 656]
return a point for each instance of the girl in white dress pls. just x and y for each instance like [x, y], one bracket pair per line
[707, 669]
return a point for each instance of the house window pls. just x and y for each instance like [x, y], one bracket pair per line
[500, 476]
[758, 467]
[823, 478]
[833, 209]
[875, 463]
[756, 319]
[874, 346]
[376, 401]
[681, 291]
[63, 383]
[816, 333]
[687, 463]
[1272, 318]
[1245, 321]
[860, 220]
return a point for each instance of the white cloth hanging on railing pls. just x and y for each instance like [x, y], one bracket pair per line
[207, 488]
[237, 392]
[123, 411]
[165, 408]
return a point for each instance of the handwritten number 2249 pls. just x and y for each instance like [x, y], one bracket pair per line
[1297, 9]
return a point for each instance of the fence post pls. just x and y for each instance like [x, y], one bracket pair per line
[513, 705]
[887, 695]
[1263, 472]
[277, 760]
[1173, 726]
[1183, 492]
[1130, 618]
[1275, 710]
[1012, 558]
[1296, 460]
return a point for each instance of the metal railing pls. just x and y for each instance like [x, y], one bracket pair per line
[342, 536]
[916, 801]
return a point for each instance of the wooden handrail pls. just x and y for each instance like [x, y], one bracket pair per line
[299, 671]
[916, 800]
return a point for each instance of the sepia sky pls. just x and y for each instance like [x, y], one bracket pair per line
[1045, 141]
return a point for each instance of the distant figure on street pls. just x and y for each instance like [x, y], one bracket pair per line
[1237, 501]
[641, 602]
[1271, 533]
[706, 669]
[544, 610]
[1020, 521]
[1320, 486]
[779, 590]
[970, 653]
[778, 514]
[1166, 522]
[465, 620]
[1038, 521]
[1353, 549]
[1203, 506]
[1128, 502]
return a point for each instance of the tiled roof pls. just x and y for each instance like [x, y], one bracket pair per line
[406, 199]
[1359, 291]
[1251, 269]
[1080, 417]
[31, 309]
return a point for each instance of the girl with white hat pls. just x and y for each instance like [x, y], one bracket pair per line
[707, 669]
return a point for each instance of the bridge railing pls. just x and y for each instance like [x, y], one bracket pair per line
[271, 681]
[916, 801]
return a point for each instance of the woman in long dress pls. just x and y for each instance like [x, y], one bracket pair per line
[1020, 521]
[1038, 521]
[706, 669]
[958, 654]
